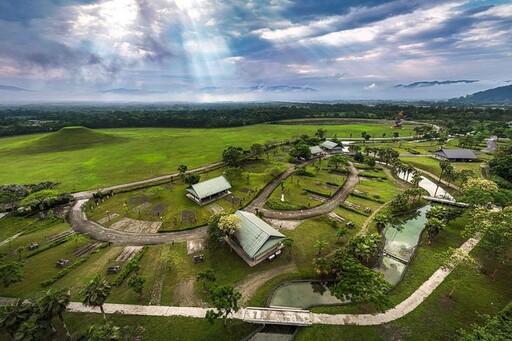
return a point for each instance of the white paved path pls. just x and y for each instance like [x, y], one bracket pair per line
[402, 309]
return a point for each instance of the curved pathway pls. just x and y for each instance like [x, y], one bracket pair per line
[324, 208]
[79, 222]
[399, 311]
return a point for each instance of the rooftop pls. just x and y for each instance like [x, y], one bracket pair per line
[457, 153]
[254, 235]
[315, 150]
[210, 187]
[329, 144]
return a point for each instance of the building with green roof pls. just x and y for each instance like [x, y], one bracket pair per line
[255, 240]
[210, 190]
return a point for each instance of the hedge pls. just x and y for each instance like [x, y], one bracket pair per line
[276, 204]
[367, 198]
[332, 184]
[312, 191]
[368, 175]
[412, 151]
[49, 246]
[338, 171]
[127, 269]
[345, 206]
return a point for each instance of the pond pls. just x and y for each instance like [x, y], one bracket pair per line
[428, 185]
[399, 245]
[303, 294]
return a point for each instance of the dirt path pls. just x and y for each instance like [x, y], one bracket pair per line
[253, 282]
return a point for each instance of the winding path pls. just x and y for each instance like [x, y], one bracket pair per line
[79, 222]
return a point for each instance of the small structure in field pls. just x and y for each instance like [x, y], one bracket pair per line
[316, 151]
[331, 146]
[210, 190]
[33, 246]
[62, 263]
[457, 155]
[111, 270]
[255, 240]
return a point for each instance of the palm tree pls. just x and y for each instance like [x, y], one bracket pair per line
[54, 303]
[381, 220]
[95, 293]
[14, 315]
[416, 178]
[444, 165]
[132, 333]
[33, 330]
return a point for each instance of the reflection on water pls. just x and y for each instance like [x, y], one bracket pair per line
[303, 295]
[428, 185]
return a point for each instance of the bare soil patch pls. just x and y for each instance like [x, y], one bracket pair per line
[232, 199]
[194, 246]
[158, 209]
[138, 200]
[215, 208]
[188, 216]
[137, 226]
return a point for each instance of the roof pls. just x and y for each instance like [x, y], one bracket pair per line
[329, 144]
[315, 150]
[210, 187]
[254, 235]
[457, 153]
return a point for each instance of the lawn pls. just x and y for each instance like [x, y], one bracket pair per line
[432, 165]
[138, 153]
[142, 204]
[294, 187]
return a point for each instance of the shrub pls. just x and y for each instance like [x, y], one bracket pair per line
[304, 172]
[276, 204]
[132, 265]
[345, 206]
[317, 193]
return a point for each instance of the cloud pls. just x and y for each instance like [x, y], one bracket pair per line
[13, 88]
[372, 86]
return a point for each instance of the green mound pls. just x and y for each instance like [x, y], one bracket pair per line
[71, 138]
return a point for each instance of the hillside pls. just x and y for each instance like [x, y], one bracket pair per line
[70, 138]
[502, 94]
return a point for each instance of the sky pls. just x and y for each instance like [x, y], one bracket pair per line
[252, 50]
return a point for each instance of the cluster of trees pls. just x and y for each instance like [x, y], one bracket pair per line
[14, 121]
[33, 319]
[350, 266]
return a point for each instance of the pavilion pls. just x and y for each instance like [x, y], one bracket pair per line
[210, 190]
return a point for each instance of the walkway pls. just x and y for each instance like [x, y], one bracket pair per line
[325, 208]
[445, 201]
[80, 223]
[285, 316]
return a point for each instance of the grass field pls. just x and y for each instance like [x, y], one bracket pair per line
[93, 159]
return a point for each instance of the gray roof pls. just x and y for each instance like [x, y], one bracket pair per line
[254, 235]
[315, 150]
[210, 187]
[457, 153]
[329, 144]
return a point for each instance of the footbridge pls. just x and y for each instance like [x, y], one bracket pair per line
[274, 315]
[445, 201]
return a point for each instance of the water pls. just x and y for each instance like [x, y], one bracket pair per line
[274, 333]
[300, 294]
[428, 185]
[399, 245]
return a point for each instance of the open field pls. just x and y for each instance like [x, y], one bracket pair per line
[123, 155]
[432, 165]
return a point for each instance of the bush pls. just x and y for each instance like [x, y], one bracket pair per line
[368, 175]
[353, 209]
[49, 246]
[412, 151]
[317, 193]
[133, 264]
[338, 171]
[332, 184]
[367, 197]
[304, 172]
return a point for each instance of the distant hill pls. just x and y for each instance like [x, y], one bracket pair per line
[70, 138]
[425, 84]
[500, 95]
[125, 91]
[13, 88]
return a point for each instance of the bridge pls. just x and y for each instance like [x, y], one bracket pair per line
[274, 315]
[445, 201]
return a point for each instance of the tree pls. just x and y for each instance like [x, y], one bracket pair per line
[182, 169]
[337, 160]
[457, 258]
[34, 329]
[416, 178]
[206, 276]
[321, 266]
[103, 332]
[54, 304]
[233, 173]
[399, 203]
[444, 165]
[225, 301]
[10, 271]
[12, 316]
[214, 234]
[320, 245]
[301, 150]
[381, 221]
[192, 179]
[364, 248]
[256, 150]
[228, 224]
[288, 243]
[320, 133]
[354, 148]
[438, 212]
[433, 226]
[341, 232]
[357, 283]
[136, 282]
[95, 293]
[478, 192]
[233, 156]
[495, 228]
